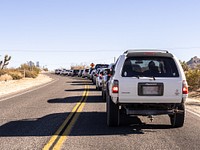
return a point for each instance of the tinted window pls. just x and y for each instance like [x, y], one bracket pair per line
[149, 67]
[101, 66]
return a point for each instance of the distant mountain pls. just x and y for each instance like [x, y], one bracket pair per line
[193, 62]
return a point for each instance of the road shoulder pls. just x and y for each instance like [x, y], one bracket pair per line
[16, 86]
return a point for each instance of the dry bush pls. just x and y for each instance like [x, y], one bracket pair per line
[16, 75]
[193, 79]
[28, 68]
[31, 74]
[2, 72]
[5, 77]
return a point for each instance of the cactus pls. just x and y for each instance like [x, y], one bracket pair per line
[5, 62]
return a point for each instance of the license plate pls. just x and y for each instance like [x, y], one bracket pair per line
[150, 90]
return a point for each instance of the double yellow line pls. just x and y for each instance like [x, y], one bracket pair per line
[64, 130]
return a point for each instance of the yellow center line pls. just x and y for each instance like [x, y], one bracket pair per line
[78, 108]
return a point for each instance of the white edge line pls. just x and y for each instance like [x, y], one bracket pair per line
[194, 113]
[29, 90]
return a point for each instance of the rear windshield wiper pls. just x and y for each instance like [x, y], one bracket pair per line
[149, 77]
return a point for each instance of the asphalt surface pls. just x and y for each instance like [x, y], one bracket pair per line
[31, 120]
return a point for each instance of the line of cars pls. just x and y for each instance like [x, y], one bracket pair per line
[99, 75]
[65, 72]
[95, 74]
[142, 83]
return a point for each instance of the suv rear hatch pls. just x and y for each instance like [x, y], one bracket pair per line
[150, 79]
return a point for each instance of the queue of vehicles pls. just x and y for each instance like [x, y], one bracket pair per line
[141, 83]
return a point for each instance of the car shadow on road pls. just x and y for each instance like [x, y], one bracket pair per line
[76, 90]
[88, 124]
[80, 82]
[75, 99]
[94, 123]
[44, 126]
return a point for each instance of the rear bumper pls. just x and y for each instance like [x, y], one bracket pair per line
[152, 109]
[151, 112]
[150, 99]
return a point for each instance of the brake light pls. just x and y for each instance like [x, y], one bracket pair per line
[100, 76]
[115, 87]
[185, 87]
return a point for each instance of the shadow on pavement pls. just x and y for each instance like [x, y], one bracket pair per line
[75, 99]
[76, 90]
[88, 124]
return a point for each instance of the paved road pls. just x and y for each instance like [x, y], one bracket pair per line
[69, 114]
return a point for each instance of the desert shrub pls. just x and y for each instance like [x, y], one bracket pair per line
[31, 74]
[2, 72]
[27, 67]
[184, 66]
[193, 79]
[5, 77]
[16, 75]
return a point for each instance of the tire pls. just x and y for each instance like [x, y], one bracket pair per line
[97, 87]
[93, 81]
[100, 88]
[177, 119]
[113, 113]
[103, 96]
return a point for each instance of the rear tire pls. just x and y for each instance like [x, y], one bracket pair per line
[97, 87]
[113, 113]
[103, 96]
[177, 119]
[93, 81]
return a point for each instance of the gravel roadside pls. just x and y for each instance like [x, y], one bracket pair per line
[14, 86]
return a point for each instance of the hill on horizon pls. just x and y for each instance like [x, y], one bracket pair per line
[194, 62]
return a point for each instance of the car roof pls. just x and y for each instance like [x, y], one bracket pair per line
[147, 52]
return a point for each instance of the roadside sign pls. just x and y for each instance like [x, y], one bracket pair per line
[92, 65]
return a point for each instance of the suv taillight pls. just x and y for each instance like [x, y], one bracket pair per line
[100, 76]
[185, 87]
[115, 87]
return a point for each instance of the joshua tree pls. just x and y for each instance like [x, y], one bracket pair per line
[5, 62]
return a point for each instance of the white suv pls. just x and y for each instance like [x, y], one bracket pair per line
[147, 83]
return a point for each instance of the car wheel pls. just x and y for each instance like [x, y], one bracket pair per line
[177, 119]
[93, 81]
[103, 96]
[112, 112]
[97, 88]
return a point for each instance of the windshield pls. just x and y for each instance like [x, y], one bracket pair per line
[101, 66]
[149, 67]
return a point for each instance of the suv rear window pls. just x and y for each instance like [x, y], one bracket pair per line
[149, 67]
[101, 66]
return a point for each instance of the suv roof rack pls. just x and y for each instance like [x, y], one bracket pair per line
[145, 50]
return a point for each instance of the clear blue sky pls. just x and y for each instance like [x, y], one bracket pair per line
[61, 33]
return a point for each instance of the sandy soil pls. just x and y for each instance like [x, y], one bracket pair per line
[13, 86]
